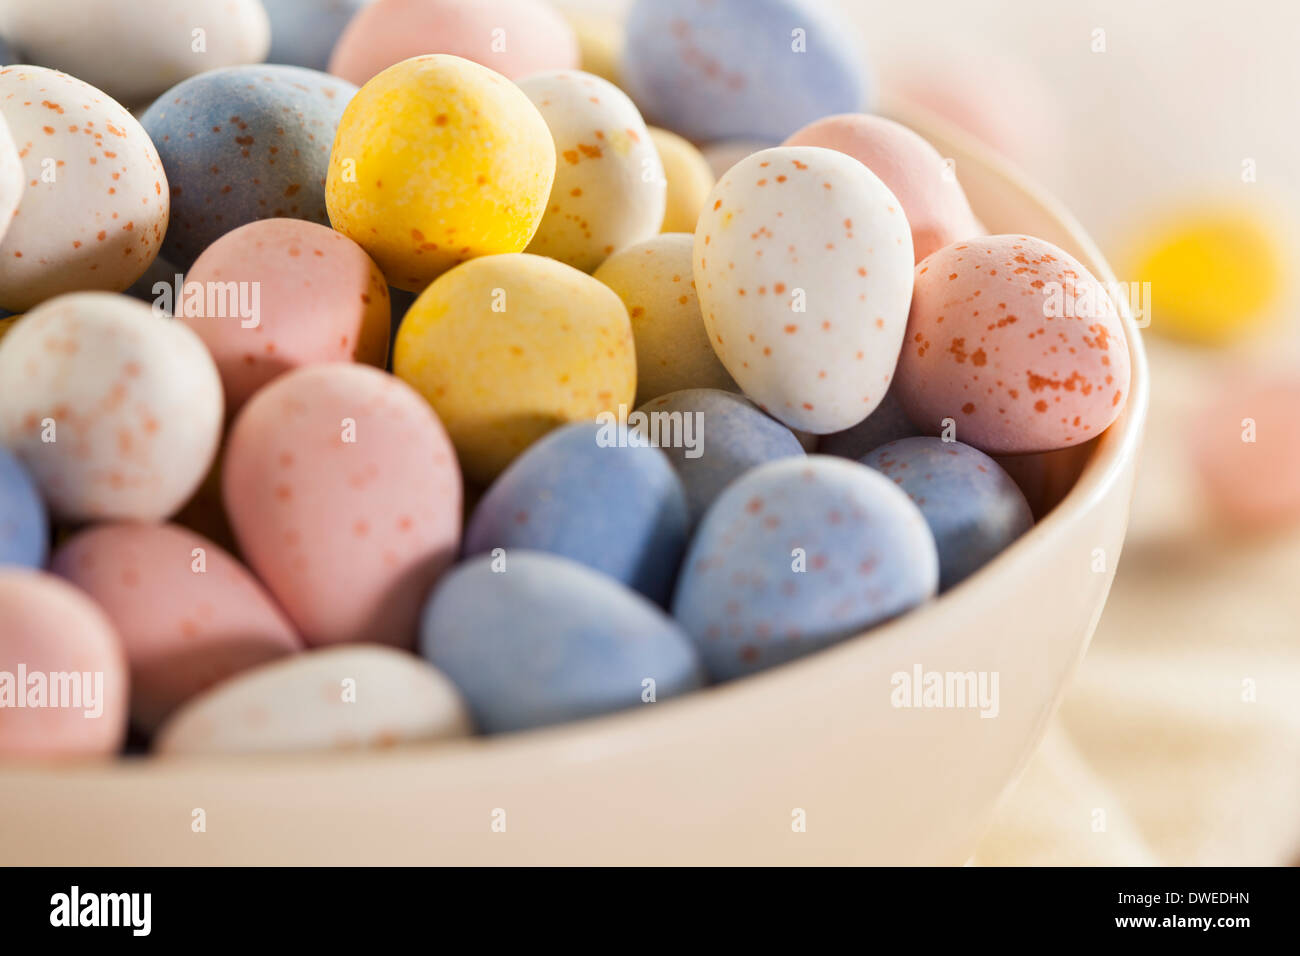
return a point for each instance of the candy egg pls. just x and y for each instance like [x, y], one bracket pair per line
[803, 262]
[924, 182]
[11, 178]
[7, 53]
[24, 525]
[887, 423]
[277, 294]
[797, 555]
[600, 43]
[512, 37]
[95, 207]
[338, 698]
[1014, 341]
[534, 639]
[690, 180]
[304, 32]
[655, 280]
[739, 69]
[609, 185]
[727, 435]
[439, 160]
[241, 144]
[115, 411]
[343, 491]
[587, 493]
[133, 51]
[973, 507]
[721, 156]
[507, 348]
[63, 683]
[188, 614]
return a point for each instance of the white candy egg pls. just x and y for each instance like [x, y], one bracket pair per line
[803, 267]
[339, 698]
[610, 189]
[115, 411]
[94, 209]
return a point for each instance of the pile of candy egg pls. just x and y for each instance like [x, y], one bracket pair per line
[438, 393]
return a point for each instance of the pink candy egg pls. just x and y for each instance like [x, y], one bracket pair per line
[512, 37]
[345, 495]
[924, 182]
[63, 679]
[305, 294]
[1016, 342]
[188, 613]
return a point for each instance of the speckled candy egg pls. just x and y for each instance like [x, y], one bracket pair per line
[690, 180]
[656, 282]
[115, 411]
[729, 436]
[307, 295]
[803, 265]
[586, 493]
[241, 144]
[973, 507]
[887, 423]
[24, 525]
[739, 69]
[338, 698]
[609, 183]
[1017, 343]
[188, 613]
[534, 639]
[799, 554]
[924, 182]
[344, 494]
[95, 208]
[52, 628]
[11, 178]
[439, 160]
[507, 348]
[512, 37]
[135, 50]
[304, 32]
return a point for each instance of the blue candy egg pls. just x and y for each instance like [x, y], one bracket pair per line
[739, 69]
[303, 32]
[532, 639]
[24, 524]
[973, 507]
[580, 493]
[8, 55]
[242, 144]
[796, 555]
[887, 423]
[713, 437]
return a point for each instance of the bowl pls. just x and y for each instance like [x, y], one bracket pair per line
[809, 763]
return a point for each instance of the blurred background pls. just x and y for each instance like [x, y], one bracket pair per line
[1169, 129]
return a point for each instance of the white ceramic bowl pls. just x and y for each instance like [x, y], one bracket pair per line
[719, 777]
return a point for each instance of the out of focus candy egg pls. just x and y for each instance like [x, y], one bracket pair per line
[887, 423]
[338, 698]
[721, 156]
[609, 184]
[344, 494]
[439, 160]
[507, 348]
[24, 525]
[803, 265]
[1015, 342]
[277, 294]
[600, 44]
[655, 279]
[189, 615]
[95, 207]
[115, 411]
[534, 639]
[796, 555]
[304, 32]
[63, 680]
[587, 493]
[242, 144]
[690, 180]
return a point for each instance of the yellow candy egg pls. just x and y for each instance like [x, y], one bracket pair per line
[438, 160]
[1214, 272]
[600, 43]
[690, 180]
[506, 348]
[654, 279]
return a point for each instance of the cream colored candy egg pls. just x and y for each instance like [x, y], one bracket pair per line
[690, 179]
